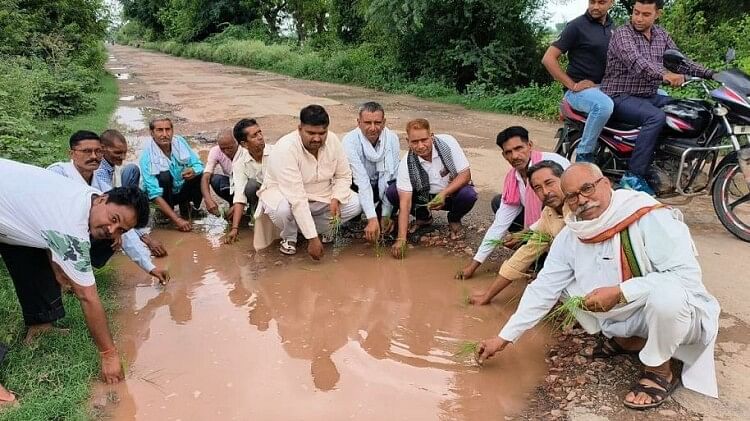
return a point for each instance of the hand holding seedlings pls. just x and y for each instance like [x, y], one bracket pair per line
[398, 249]
[465, 350]
[372, 230]
[603, 299]
[161, 274]
[437, 202]
[489, 347]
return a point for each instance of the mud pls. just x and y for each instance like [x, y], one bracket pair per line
[244, 336]
[239, 335]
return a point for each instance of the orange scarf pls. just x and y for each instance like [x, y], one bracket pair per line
[627, 271]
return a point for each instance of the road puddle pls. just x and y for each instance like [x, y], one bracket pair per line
[131, 118]
[239, 335]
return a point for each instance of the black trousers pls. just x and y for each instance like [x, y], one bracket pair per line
[190, 192]
[34, 280]
[517, 224]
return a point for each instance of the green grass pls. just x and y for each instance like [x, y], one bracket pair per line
[53, 377]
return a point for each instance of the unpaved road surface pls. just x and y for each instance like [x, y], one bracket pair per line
[240, 335]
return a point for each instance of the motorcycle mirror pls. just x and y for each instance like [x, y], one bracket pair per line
[731, 55]
[673, 58]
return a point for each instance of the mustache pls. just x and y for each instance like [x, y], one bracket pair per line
[548, 198]
[586, 207]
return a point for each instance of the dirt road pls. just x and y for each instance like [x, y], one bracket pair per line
[375, 347]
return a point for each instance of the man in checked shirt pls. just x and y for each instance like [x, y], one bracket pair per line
[633, 76]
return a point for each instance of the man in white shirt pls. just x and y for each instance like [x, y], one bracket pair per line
[307, 187]
[373, 153]
[86, 155]
[221, 156]
[518, 207]
[434, 175]
[46, 225]
[248, 168]
[633, 260]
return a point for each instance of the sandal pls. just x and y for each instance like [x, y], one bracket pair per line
[608, 348]
[417, 230]
[288, 247]
[657, 394]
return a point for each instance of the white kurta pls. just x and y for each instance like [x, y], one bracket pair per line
[666, 255]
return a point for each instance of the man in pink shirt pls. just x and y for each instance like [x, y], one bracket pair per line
[222, 155]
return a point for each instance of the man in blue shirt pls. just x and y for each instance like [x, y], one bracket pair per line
[171, 173]
[585, 40]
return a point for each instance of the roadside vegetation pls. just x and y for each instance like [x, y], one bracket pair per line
[52, 82]
[481, 54]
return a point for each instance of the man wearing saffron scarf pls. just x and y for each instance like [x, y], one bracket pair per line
[634, 262]
[434, 175]
[544, 178]
[518, 207]
[372, 150]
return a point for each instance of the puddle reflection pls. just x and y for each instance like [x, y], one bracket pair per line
[359, 337]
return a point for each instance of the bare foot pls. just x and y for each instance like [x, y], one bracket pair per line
[457, 231]
[34, 332]
[6, 397]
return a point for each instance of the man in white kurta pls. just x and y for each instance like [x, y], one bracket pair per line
[307, 187]
[651, 289]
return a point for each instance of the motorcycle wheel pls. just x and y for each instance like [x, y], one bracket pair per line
[731, 199]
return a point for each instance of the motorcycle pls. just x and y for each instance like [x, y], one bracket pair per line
[699, 150]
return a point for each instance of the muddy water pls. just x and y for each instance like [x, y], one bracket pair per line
[238, 335]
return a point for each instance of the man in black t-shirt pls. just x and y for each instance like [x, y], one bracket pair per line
[585, 40]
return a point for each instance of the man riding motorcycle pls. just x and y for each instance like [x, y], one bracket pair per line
[632, 79]
[585, 40]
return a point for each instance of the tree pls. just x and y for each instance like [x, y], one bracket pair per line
[492, 43]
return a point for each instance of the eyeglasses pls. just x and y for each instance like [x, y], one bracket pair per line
[586, 191]
[89, 151]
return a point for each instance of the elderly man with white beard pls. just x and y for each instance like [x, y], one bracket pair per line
[633, 260]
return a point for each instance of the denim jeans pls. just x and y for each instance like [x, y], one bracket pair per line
[599, 108]
[131, 175]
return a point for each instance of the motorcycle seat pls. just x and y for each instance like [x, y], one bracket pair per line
[569, 112]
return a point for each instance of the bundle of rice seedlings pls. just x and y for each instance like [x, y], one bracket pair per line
[436, 201]
[532, 237]
[378, 247]
[564, 316]
[335, 226]
[403, 250]
[465, 350]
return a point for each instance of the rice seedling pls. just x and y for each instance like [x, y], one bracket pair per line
[379, 247]
[335, 227]
[524, 237]
[402, 250]
[465, 350]
[465, 295]
[436, 201]
[564, 316]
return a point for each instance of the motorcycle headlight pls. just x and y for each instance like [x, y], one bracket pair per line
[720, 111]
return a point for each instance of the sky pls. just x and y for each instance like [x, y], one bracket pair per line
[565, 12]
